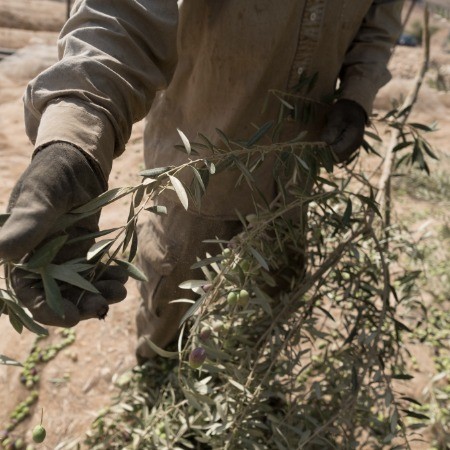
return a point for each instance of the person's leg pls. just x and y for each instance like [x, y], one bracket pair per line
[169, 246]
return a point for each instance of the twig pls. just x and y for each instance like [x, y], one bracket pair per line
[384, 185]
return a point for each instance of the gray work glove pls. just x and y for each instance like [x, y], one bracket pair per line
[59, 179]
[344, 129]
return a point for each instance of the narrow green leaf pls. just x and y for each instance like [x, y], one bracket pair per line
[99, 248]
[199, 178]
[153, 173]
[206, 262]
[236, 384]
[192, 284]
[302, 163]
[347, 213]
[103, 200]
[411, 400]
[132, 270]
[425, 146]
[223, 138]
[95, 235]
[138, 196]
[52, 293]
[402, 376]
[130, 230]
[183, 300]
[15, 322]
[421, 126]
[77, 265]
[157, 209]
[45, 254]
[67, 220]
[416, 415]
[284, 102]
[207, 142]
[245, 172]
[370, 203]
[3, 218]
[401, 146]
[159, 351]
[262, 262]
[180, 191]
[64, 273]
[133, 247]
[374, 136]
[260, 133]
[192, 400]
[186, 143]
[192, 310]
[6, 361]
[25, 318]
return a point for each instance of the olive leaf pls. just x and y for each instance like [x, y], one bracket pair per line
[157, 209]
[159, 351]
[70, 276]
[186, 143]
[53, 295]
[259, 258]
[3, 218]
[46, 253]
[103, 199]
[192, 284]
[15, 322]
[132, 270]
[199, 178]
[6, 361]
[152, 173]
[180, 191]
[97, 234]
[26, 320]
[99, 248]
[133, 246]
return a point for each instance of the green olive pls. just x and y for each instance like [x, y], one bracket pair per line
[232, 298]
[197, 357]
[243, 298]
[245, 265]
[39, 434]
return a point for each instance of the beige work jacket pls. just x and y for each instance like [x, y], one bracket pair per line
[201, 65]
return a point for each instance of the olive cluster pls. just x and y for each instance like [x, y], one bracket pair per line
[29, 377]
[236, 295]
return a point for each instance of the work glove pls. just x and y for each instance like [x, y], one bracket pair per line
[344, 129]
[59, 179]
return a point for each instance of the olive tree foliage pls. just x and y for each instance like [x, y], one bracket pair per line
[297, 336]
[270, 355]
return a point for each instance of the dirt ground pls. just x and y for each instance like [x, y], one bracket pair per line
[80, 380]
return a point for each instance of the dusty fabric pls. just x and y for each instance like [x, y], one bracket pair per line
[169, 245]
[207, 65]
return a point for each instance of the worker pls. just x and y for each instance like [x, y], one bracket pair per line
[196, 65]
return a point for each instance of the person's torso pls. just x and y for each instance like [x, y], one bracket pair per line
[231, 55]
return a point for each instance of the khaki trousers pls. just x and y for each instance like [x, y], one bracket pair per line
[168, 246]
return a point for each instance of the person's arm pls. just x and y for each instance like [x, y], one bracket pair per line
[114, 55]
[364, 72]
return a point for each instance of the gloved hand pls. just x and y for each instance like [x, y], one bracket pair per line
[59, 178]
[344, 128]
